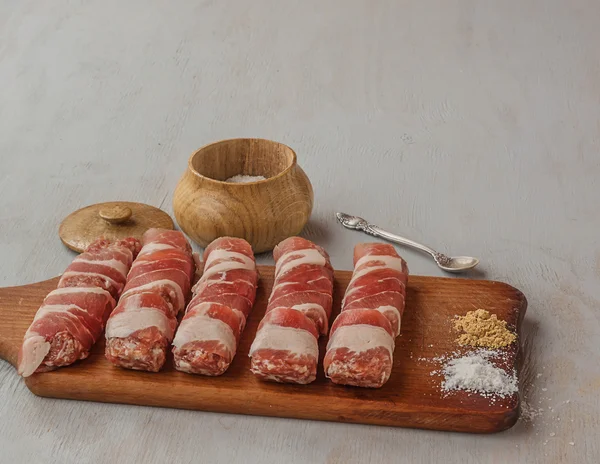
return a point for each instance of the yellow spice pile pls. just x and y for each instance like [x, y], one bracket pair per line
[483, 329]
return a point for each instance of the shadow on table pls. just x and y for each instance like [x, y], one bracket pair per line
[530, 336]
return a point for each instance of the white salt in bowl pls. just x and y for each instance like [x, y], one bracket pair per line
[263, 212]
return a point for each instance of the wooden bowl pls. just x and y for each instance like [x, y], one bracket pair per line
[263, 212]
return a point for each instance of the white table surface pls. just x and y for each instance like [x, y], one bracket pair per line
[473, 126]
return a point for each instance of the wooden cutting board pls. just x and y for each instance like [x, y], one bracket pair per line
[411, 398]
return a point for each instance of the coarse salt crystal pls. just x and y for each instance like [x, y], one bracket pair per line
[243, 179]
[475, 373]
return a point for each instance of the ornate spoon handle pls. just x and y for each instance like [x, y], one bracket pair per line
[358, 223]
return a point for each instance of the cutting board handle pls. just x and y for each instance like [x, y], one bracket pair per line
[16, 315]
[9, 349]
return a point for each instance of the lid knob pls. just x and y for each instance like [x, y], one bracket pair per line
[115, 214]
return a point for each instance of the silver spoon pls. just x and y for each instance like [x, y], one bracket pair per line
[446, 263]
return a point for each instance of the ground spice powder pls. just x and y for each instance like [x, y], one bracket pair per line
[483, 329]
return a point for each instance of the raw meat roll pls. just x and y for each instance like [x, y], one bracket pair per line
[207, 339]
[360, 349]
[361, 344]
[72, 317]
[141, 327]
[285, 348]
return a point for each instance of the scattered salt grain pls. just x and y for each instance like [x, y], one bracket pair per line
[474, 373]
[243, 179]
[529, 413]
[552, 434]
[544, 389]
[572, 443]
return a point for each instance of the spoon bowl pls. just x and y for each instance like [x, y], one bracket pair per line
[459, 264]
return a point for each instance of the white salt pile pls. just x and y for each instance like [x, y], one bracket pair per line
[243, 179]
[474, 373]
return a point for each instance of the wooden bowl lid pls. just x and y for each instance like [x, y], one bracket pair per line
[113, 220]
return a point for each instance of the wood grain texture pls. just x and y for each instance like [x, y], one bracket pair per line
[263, 213]
[113, 220]
[411, 398]
[471, 126]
